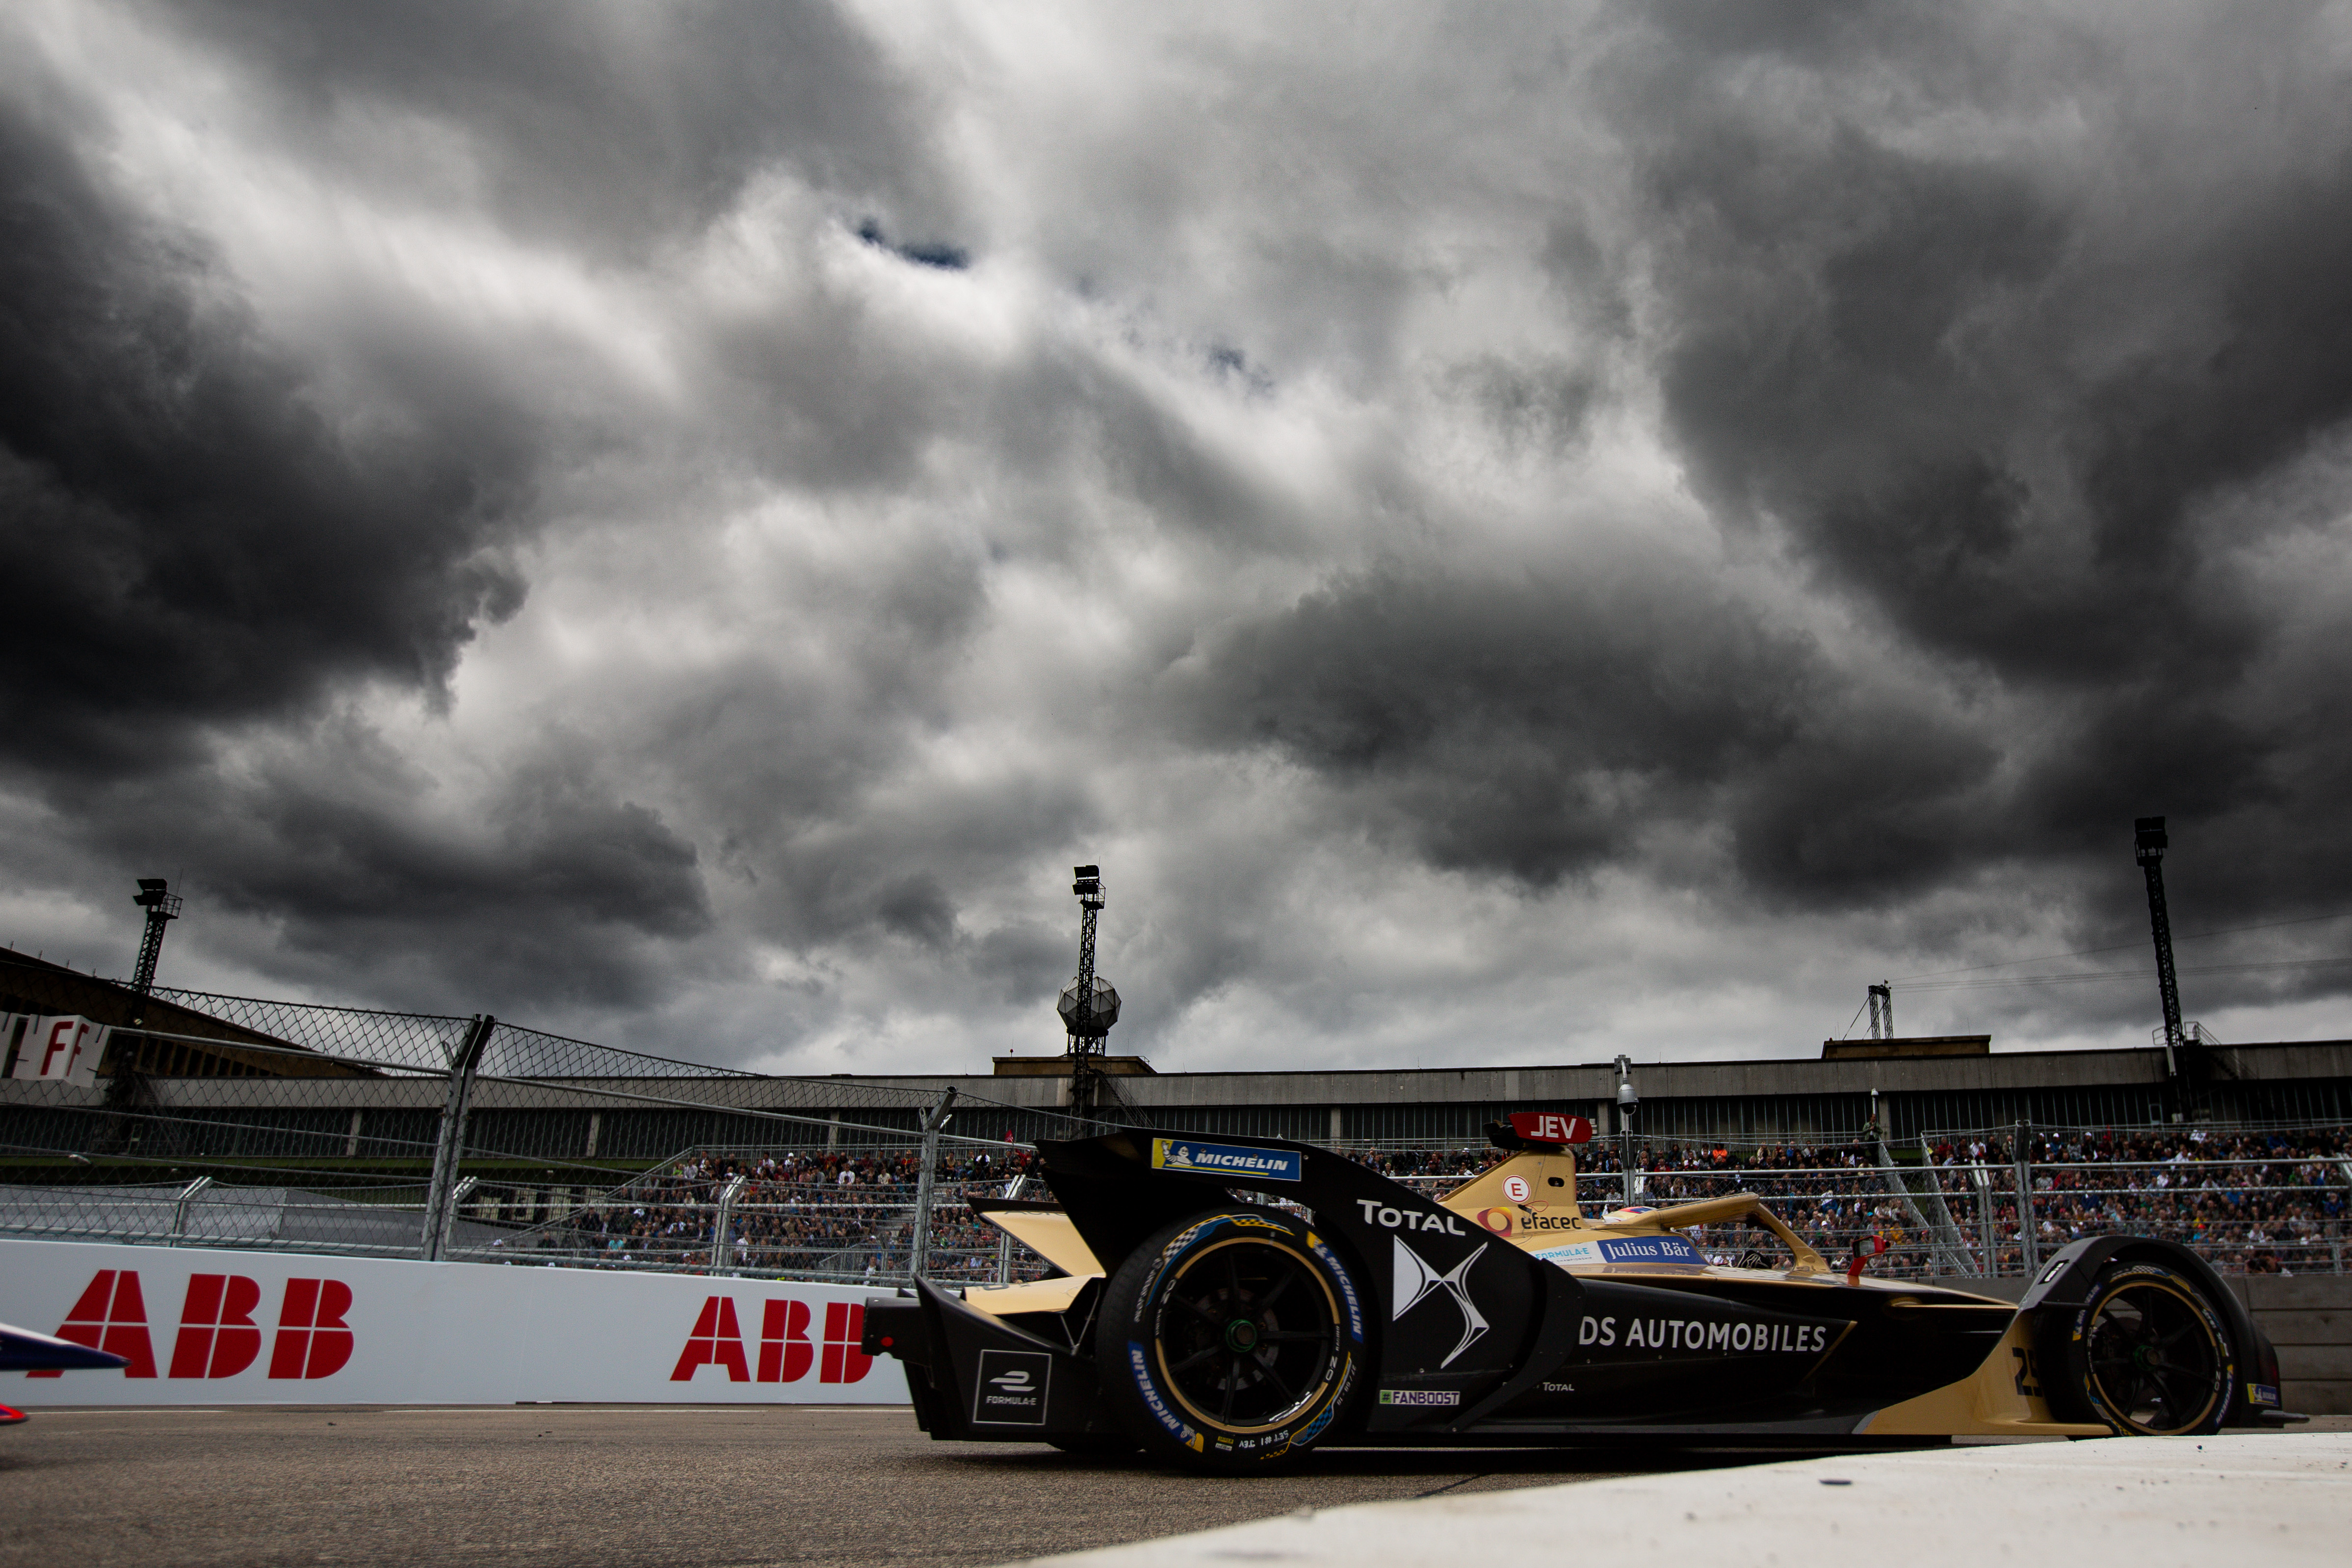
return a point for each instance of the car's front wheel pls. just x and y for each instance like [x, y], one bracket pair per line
[1231, 1341]
[2151, 1355]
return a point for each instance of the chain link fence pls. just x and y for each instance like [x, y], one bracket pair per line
[212, 1119]
[235, 1122]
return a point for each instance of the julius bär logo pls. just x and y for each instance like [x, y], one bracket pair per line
[786, 1352]
[218, 1336]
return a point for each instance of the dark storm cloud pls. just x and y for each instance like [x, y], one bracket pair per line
[207, 541]
[553, 889]
[1995, 386]
[1540, 727]
[189, 538]
[1748, 472]
[201, 542]
[192, 536]
[1988, 390]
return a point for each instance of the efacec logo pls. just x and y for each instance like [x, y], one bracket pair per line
[218, 1336]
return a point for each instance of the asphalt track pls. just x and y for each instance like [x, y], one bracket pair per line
[626, 1486]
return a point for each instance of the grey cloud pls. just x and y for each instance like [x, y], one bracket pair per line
[188, 539]
[1524, 726]
[1988, 356]
[606, 127]
[556, 891]
[1995, 389]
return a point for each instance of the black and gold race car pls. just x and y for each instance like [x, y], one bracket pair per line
[1228, 1306]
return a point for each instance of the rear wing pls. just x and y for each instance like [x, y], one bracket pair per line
[1044, 1228]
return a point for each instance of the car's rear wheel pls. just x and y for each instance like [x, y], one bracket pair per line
[2151, 1355]
[1231, 1341]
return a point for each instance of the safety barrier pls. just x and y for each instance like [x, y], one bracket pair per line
[205, 1326]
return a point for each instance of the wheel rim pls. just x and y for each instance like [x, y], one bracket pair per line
[2154, 1357]
[1249, 1334]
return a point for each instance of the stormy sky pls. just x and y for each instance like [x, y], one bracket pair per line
[1511, 533]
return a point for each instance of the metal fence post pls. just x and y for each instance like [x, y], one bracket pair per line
[179, 1206]
[718, 1222]
[1934, 1219]
[457, 1196]
[919, 1251]
[1987, 1226]
[2028, 1244]
[451, 1145]
[1005, 1238]
[2345, 1165]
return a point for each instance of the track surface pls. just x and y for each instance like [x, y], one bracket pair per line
[620, 1487]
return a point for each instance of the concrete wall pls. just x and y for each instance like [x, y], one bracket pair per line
[2308, 1317]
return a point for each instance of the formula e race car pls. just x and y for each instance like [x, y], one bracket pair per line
[1228, 1306]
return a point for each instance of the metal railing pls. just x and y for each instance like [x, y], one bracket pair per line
[861, 1211]
[220, 1121]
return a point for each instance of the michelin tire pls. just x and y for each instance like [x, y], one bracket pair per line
[2151, 1356]
[1232, 1341]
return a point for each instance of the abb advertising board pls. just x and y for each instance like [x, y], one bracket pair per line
[204, 1327]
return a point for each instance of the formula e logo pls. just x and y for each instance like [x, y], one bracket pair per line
[1415, 1279]
[1012, 1390]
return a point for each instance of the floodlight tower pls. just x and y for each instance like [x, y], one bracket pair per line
[1882, 1011]
[1628, 1101]
[1088, 1006]
[2149, 840]
[162, 906]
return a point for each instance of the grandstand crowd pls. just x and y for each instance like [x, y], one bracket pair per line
[2253, 1201]
[823, 1211]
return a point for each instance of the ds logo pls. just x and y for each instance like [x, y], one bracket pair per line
[218, 1334]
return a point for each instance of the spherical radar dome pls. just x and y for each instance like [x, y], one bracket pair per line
[1097, 1018]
